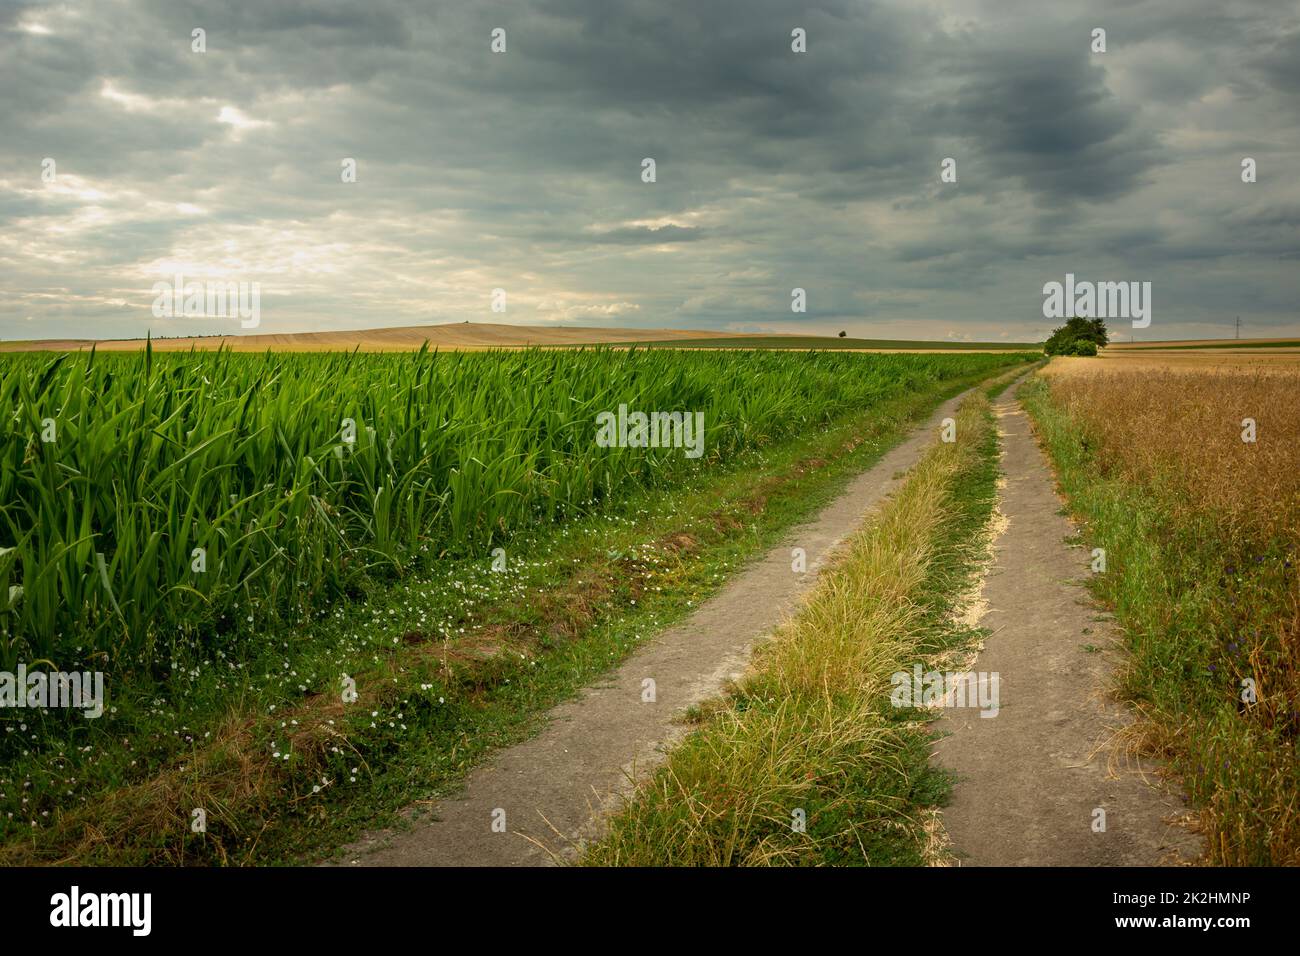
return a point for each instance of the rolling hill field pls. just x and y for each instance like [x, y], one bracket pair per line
[473, 336]
[465, 336]
[737, 341]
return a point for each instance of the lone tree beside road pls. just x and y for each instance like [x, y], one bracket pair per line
[1078, 337]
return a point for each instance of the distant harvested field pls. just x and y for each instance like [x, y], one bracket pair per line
[1231, 362]
[830, 342]
[473, 336]
[461, 336]
[1181, 344]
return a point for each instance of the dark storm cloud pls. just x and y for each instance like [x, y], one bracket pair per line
[1047, 118]
[1279, 62]
[523, 170]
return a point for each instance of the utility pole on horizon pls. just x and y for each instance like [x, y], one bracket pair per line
[1238, 326]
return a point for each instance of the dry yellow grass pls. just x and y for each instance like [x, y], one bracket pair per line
[804, 726]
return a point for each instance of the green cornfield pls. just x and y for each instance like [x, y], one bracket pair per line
[155, 499]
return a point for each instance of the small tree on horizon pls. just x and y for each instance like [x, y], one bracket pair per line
[1078, 337]
[843, 333]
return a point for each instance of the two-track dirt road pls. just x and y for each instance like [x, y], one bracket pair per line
[1029, 780]
[556, 788]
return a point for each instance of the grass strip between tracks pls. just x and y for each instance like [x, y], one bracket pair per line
[806, 761]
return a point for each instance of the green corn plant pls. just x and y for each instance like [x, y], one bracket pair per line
[182, 494]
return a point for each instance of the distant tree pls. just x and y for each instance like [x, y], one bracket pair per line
[1077, 337]
[843, 333]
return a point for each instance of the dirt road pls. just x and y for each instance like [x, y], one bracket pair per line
[1031, 779]
[555, 789]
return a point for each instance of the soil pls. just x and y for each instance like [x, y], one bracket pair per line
[1030, 780]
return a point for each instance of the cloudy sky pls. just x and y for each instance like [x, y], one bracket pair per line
[775, 169]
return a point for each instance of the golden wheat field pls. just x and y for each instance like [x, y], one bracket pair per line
[1183, 421]
[1186, 468]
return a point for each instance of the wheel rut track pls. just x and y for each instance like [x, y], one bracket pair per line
[557, 788]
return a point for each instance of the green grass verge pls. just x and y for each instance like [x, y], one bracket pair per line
[806, 761]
